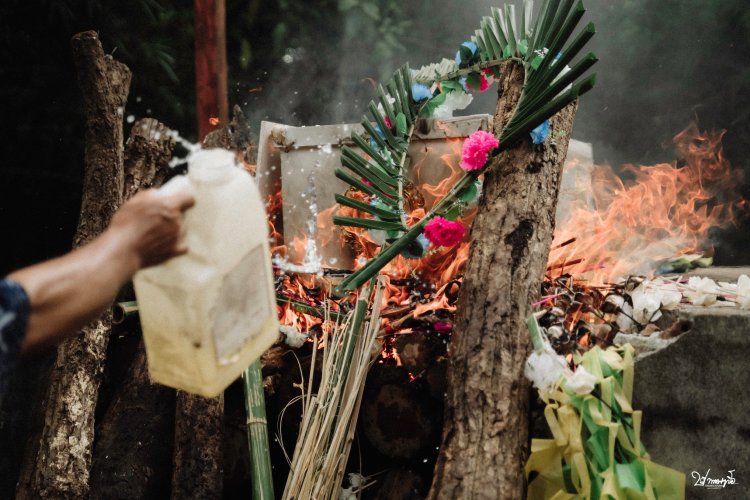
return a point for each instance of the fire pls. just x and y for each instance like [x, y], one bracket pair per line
[414, 286]
[665, 210]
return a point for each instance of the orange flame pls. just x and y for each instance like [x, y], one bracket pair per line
[665, 211]
[425, 284]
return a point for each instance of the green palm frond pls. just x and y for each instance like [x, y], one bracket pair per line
[552, 81]
[379, 170]
[541, 47]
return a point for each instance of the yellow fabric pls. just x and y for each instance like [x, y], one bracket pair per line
[595, 454]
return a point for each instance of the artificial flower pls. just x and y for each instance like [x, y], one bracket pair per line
[701, 291]
[417, 249]
[743, 292]
[293, 336]
[469, 45]
[581, 381]
[454, 101]
[669, 295]
[374, 143]
[646, 304]
[443, 232]
[625, 318]
[442, 327]
[540, 133]
[545, 368]
[484, 84]
[476, 150]
[391, 100]
[420, 92]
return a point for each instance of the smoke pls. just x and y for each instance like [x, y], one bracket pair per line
[662, 66]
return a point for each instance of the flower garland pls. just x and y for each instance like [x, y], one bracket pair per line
[595, 451]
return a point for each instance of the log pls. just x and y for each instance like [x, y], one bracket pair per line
[485, 431]
[400, 484]
[198, 460]
[62, 464]
[147, 154]
[398, 417]
[125, 464]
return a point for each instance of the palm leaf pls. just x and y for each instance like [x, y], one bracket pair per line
[389, 125]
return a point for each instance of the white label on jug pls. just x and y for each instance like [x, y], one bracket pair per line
[244, 304]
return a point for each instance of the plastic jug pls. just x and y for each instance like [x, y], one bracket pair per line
[208, 314]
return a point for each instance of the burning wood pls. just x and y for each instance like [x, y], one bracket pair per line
[591, 290]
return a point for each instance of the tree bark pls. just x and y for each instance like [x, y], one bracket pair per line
[64, 457]
[198, 456]
[485, 431]
[127, 464]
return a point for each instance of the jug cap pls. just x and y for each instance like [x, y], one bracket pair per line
[210, 165]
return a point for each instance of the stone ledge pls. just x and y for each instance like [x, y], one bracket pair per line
[695, 398]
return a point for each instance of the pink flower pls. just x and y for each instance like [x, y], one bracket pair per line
[484, 84]
[476, 149]
[443, 232]
[442, 327]
[387, 122]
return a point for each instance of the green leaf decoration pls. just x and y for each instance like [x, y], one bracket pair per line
[378, 170]
[555, 76]
[453, 213]
[401, 124]
[470, 193]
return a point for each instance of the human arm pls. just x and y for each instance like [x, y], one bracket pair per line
[67, 292]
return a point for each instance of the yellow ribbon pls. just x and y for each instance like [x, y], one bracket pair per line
[576, 463]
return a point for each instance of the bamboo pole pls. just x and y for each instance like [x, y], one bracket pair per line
[257, 433]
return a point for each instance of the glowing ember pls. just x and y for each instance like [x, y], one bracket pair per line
[415, 287]
[666, 210]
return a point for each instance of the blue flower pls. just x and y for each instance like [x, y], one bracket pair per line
[539, 134]
[463, 83]
[469, 45]
[420, 92]
[374, 143]
[417, 249]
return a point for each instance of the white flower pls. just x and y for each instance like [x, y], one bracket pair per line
[391, 100]
[743, 292]
[293, 338]
[624, 320]
[581, 382]
[356, 480]
[646, 304]
[357, 483]
[454, 101]
[347, 494]
[544, 368]
[670, 294]
[701, 291]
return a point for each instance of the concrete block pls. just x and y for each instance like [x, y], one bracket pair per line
[695, 399]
